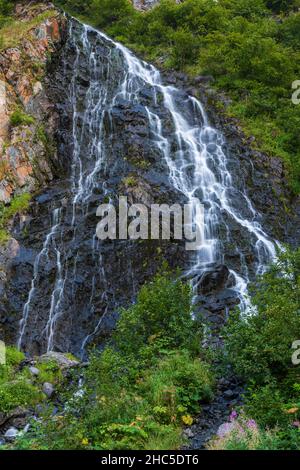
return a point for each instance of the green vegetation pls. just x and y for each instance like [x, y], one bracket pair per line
[19, 388]
[144, 386]
[252, 54]
[247, 435]
[15, 388]
[6, 8]
[19, 118]
[130, 181]
[18, 205]
[12, 31]
[260, 350]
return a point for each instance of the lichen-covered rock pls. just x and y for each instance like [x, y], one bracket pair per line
[48, 389]
[27, 146]
[62, 360]
[11, 434]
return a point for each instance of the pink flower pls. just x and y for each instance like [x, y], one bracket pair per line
[225, 429]
[233, 415]
[296, 424]
[252, 424]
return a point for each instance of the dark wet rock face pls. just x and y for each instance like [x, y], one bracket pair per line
[213, 280]
[118, 134]
[80, 282]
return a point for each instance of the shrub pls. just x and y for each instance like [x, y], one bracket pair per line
[259, 346]
[18, 393]
[19, 118]
[160, 319]
[15, 388]
[282, 5]
[143, 387]
[13, 356]
[178, 383]
[185, 48]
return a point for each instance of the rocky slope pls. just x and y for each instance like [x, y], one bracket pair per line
[28, 151]
[39, 156]
[100, 284]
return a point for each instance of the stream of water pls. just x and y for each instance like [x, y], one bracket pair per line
[194, 155]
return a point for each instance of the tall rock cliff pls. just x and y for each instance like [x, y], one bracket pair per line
[28, 120]
[83, 122]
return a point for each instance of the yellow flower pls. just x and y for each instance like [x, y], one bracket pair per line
[85, 441]
[187, 419]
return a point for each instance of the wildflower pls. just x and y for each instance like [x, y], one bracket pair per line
[225, 429]
[233, 415]
[85, 441]
[187, 419]
[251, 424]
[296, 424]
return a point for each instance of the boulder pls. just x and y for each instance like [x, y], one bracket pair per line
[34, 371]
[62, 360]
[11, 434]
[48, 389]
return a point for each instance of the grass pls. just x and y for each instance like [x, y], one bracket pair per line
[15, 388]
[19, 204]
[130, 181]
[19, 118]
[13, 31]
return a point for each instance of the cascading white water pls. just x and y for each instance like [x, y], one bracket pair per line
[193, 153]
[210, 174]
[44, 253]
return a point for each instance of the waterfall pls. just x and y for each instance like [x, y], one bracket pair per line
[194, 157]
[200, 147]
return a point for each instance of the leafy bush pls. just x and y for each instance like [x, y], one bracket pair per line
[161, 318]
[5, 11]
[259, 347]
[15, 388]
[178, 381]
[13, 356]
[185, 48]
[279, 6]
[144, 386]
[18, 393]
[19, 118]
